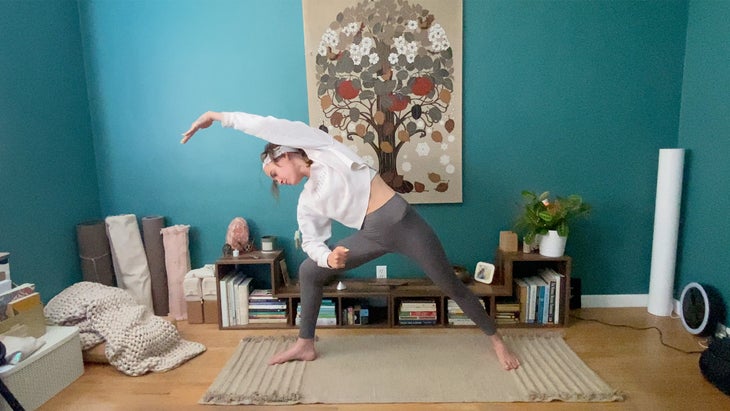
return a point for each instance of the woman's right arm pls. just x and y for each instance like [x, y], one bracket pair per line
[204, 121]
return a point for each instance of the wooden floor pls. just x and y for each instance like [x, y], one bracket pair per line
[652, 376]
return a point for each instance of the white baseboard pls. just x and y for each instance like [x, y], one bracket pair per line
[614, 300]
[619, 301]
[635, 300]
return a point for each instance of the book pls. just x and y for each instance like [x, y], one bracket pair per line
[557, 290]
[225, 299]
[261, 294]
[23, 304]
[549, 278]
[521, 286]
[15, 293]
[242, 290]
[538, 286]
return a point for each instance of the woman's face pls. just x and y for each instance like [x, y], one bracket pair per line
[285, 169]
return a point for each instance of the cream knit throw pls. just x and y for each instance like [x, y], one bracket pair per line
[137, 342]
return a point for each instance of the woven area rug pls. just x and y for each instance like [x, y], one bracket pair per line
[409, 366]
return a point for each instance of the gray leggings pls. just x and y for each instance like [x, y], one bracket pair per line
[394, 227]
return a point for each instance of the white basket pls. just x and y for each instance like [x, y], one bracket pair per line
[49, 370]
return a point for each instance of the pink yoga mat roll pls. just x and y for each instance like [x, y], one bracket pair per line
[177, 264]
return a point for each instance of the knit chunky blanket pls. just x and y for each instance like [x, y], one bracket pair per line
[137, 342]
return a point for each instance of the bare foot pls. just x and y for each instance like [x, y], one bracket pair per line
[302, 350]
[506, 357]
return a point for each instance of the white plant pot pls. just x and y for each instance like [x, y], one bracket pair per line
[552, 245]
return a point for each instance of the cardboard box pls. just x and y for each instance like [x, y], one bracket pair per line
[47, 371]
[32, 318]
[508, 241]
[195, 312]
[210, 311]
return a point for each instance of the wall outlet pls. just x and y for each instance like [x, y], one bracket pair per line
[381, 271]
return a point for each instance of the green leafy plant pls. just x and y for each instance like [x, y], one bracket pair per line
[542, 215]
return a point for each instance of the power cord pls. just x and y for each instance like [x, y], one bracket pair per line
[661, 335]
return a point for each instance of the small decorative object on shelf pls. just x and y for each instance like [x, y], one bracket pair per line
[508, 241]
[462, 273]
[227, 250]
[484, 272]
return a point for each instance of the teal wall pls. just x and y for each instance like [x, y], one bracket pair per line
[572, 97]
[566, 96]
[704, 130]
[47, 169]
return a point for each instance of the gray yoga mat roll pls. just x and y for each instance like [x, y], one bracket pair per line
[94, 252]
[155, 250]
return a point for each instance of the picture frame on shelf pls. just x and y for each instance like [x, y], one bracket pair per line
[484, 272]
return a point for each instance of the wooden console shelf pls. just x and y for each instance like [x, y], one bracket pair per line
[391, 292]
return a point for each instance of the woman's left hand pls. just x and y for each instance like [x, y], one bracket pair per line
[204, 121]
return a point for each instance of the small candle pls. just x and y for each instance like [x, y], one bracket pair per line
[267, 243]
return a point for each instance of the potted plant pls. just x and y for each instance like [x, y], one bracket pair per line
[547, 222]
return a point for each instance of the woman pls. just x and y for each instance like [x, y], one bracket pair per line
[341, 187]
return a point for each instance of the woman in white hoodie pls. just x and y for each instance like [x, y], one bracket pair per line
[340, 186]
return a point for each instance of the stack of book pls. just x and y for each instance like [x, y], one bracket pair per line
[263, 307]
[234, 293]
[508, 312]
[326, 315]
[539, 297]
[358, 314]
[417, 312]
[456, 314]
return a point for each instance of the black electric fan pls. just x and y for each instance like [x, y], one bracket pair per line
[700, 309]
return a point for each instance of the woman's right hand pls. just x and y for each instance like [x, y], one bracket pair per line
[204, 121]
[338, 257]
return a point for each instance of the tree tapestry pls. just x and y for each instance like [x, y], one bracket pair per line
[384, 78]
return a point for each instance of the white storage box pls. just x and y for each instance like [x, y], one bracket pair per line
[47, 371]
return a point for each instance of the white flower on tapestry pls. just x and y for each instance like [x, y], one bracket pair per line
[384, 78]
[423, 149]
[329, 41]
[351, 28]
[437, 36]
[450, 169]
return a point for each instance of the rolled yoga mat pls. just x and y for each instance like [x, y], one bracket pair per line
[666, 231]
[155, 250]
[129, 258]
[94, 252]
[177, 264]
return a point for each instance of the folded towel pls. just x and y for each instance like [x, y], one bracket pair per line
[207, 270]
[192, 289]
[209, 291]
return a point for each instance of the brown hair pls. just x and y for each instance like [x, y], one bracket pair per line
[270, 151]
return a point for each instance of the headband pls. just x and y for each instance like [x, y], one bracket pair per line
[278, 152]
